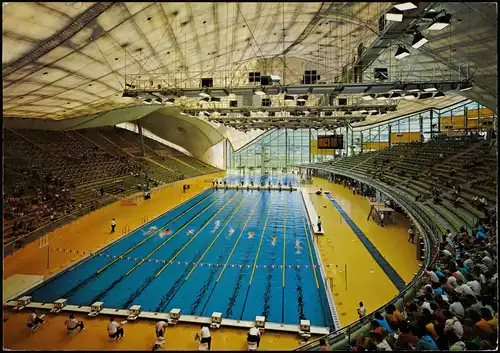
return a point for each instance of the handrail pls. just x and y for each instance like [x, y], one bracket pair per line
[430, 236]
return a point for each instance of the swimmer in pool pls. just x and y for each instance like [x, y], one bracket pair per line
[297, 246]
[274, 240]
[190, 232]
[231, 231]
[251, 235]
[165, 233]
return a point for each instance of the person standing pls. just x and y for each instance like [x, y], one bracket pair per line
[361, 310]
[113, 225]
[72, 323]
[253, 336]
[319, 224]
[205, 336]
[160, 329]
[411, 236]
[382, 216]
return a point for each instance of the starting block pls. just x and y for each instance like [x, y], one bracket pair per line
[22, 303]
[134, 312]
[305, 328]
[175, 315]
[59, 304]
[216, 320]
[260, 322]
[96, 308]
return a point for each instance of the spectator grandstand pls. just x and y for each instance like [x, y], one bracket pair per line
[50, 175]
[453, 303]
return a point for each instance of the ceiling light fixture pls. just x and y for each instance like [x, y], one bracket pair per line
[405, 6]
[425, 95]
[418, 40]
[440, 23]
[430, 88]
[401, 53]
[288, 98]
[147, 101]
[410, 96]
[382, 97]
[158, 100]
[170, 101]
[465, 86]
[394, 15]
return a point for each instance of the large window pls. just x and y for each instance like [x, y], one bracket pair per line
[283, 148]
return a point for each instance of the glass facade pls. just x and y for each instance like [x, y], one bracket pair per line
[278, 149]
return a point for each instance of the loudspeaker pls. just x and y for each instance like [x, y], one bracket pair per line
[265, 80]
[233, 104]
[266, 102]
[342, 101]
[207, 82]
[254, 77]
[381, 73]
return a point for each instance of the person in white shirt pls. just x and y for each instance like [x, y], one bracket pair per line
[205, 336]
[457, 309]
[361, 310]
[473, 284]
[319, 223]
[72, 323]
[382, 216]
[253, 336]
[434, 278]
[34, 320]
[411, 236]
[113, 225]
[464, 289]
[160, 329]
[115, 330]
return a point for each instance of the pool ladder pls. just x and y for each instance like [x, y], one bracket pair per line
[126, 229]
[145, 219]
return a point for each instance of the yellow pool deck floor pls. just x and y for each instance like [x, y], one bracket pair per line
[366, 281]
[339, 246]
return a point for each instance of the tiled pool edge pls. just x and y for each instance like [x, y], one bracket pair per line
[324, 278]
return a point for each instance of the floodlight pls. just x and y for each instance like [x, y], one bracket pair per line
[465, 86]
[404, 6]
[394, 15]
[288, 98]
[440, 23]
[401, 53]
[170, 101]
[418, 40]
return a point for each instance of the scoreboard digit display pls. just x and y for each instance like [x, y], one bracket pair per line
[331, 142]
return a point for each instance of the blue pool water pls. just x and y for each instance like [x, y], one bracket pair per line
[242, 253]
[274, 179]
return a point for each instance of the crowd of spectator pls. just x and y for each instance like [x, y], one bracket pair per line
[457, 306]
